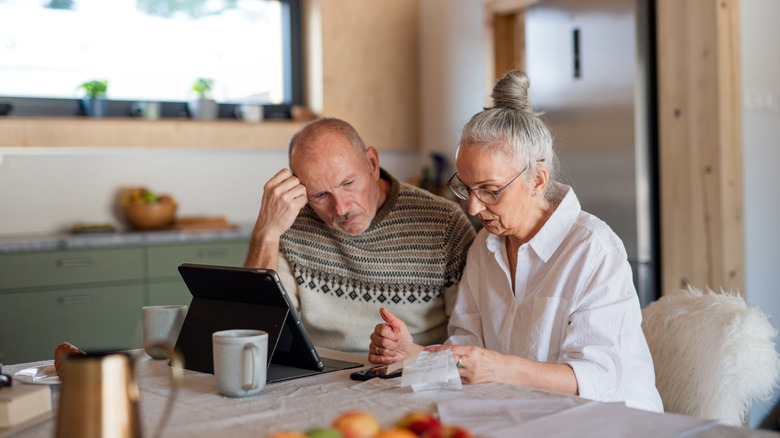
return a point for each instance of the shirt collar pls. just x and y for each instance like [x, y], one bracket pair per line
[550, 237]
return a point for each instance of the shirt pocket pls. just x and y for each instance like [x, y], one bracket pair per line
[549, 318]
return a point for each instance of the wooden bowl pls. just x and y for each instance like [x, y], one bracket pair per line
[150, 216]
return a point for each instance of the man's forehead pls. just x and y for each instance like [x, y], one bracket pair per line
[326, 146]
[327, 182]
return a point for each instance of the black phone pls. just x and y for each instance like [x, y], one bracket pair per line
[378, 371]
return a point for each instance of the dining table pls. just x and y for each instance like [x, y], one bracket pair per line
[299, 405]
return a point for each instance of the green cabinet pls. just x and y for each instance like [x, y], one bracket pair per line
[69, 267]
[88, 297]
[163, 260]
[165, 285]
[168, 292]
[92, 298]
[96, 318]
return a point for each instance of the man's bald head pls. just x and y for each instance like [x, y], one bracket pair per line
[314, 133]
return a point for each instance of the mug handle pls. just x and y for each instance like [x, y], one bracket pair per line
[254, 355]
[177, 373]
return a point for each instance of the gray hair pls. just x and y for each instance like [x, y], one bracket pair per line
[321, 126]
[512, 127]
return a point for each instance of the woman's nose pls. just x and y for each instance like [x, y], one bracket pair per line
[475, 205]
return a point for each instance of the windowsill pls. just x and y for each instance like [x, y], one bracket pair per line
[132, 133]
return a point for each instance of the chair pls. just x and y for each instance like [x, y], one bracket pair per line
[713, 355]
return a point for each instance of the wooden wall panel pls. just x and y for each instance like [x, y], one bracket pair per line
[702, 235]
[370, 68]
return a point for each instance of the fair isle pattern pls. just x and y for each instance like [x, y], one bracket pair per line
[415, 247]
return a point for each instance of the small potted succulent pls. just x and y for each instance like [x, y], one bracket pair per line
[204, 107]
[94, 101]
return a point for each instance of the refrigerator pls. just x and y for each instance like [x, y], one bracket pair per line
[591, 66]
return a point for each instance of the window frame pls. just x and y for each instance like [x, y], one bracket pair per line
[293, 85]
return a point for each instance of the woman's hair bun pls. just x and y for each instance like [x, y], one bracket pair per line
[511, 91]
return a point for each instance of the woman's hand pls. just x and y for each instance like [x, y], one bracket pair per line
[476, 364]
[391, 341]
[480, 365]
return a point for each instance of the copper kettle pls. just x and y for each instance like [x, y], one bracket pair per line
[99, 395]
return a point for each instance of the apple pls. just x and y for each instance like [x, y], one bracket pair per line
[447, 432]
[165, 199]
[356, 424]
[142, 195]
[418, 422]
[323, 432]
[150, 197]
[286, 434]
[396, 433]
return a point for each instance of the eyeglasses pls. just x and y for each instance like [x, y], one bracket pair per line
[489, 197]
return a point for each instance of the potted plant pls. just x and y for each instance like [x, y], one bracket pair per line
[204, 107]
[94, 101]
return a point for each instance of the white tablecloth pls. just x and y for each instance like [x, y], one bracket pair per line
[300, 404]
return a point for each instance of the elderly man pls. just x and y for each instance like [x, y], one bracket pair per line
[347, 239]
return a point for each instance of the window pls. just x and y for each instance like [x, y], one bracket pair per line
[150, 50]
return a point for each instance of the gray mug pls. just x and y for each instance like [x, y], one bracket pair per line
[161, 325]
[240, 361]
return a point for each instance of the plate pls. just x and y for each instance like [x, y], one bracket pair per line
[41, 375]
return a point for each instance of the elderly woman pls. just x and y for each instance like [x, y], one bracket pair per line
[547, 298]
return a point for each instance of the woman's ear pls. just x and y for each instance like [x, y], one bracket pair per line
[541, 178]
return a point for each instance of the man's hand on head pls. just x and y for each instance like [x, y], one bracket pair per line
[283, 198]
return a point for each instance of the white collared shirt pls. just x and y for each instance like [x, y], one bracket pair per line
[574, 302]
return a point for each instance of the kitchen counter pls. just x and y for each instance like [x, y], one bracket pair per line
[64, 241]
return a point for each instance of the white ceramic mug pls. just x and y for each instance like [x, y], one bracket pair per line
[249, 112]
[240, 358]
[161, 325]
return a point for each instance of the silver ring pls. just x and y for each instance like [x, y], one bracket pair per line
[460, 363]
[376, 351]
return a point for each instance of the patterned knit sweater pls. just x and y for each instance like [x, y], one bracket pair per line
[409, 260]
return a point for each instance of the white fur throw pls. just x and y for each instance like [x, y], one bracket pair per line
[712, 354]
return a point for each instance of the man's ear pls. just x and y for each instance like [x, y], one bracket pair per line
[372, 156]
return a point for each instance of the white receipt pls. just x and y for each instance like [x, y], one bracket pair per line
[430, 370]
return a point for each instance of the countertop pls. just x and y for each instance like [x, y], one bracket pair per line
[64, 241]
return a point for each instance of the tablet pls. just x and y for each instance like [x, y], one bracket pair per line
[227, 297]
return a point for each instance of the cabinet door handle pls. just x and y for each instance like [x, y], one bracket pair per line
[74, 263]
[78, 299]
[212, 253]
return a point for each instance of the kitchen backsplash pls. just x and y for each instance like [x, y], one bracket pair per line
[49, 190]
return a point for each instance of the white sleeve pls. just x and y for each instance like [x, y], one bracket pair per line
[601, 334]
[465, 326]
